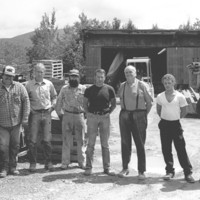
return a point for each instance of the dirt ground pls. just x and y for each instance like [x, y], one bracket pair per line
[73, 185]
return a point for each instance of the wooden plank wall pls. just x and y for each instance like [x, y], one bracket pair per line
[178, 59]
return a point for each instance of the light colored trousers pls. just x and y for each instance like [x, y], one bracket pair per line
[73, 124]
[98, 124]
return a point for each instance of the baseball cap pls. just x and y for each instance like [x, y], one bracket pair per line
[74, 72]
[9, 70]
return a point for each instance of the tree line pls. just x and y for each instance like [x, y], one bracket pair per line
[48, 43]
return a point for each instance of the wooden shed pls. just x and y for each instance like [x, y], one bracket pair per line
[170, 51]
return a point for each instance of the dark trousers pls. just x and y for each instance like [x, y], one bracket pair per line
[9, 146]
[133, 123]
[40, 125]
[171, 131]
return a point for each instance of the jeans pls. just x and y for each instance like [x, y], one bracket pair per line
[133, 123]
[9, 147]
[98, 124]
[73, 124]
[171, 131]
[40, 122]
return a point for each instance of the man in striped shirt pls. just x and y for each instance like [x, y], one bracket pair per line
[14, 111]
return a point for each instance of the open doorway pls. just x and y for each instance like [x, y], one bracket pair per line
[158, 58]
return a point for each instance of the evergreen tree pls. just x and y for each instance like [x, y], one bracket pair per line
[116, 23]
[196, 25]
[129, 25]
[71, 44]
[13, 54]
[155, 27]
[45, 40]
[187, 27]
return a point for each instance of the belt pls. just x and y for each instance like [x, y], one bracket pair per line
[168, 121]
[99, 112]
[131, 111]
[41, 110]
[74, 112]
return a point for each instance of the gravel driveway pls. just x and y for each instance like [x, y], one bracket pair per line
[73, 185]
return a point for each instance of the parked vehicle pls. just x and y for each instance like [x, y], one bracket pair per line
[191, 90]
[144, 73]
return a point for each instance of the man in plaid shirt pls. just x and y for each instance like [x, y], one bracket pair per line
[70, 101]
[14, 109]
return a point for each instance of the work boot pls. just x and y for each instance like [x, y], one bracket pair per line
[141, 176]
[88, 172]
[32, 167]
[14, 171]
[109, 172]
[81, 165]
[49, 167]
[64, 167]
[189, 178]
[3, 173]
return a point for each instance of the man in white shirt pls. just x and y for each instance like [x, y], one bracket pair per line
[171, 106]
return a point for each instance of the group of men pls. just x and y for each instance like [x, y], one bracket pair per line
[32, 105]
[74, 102]
[29, 106]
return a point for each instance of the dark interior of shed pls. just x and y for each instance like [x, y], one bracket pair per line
[158, 58]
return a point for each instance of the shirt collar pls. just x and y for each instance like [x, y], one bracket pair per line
[37, 83]
[133, 84]
[2, 84]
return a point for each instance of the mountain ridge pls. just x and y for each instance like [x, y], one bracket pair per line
[23, 40]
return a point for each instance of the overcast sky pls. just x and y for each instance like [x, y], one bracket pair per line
[21, 16]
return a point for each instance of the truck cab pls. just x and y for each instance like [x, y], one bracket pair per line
[144, 73]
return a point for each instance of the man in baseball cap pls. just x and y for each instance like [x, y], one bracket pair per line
[14, 109]
[70, 100]
[9, 70]
[8, 75]
[74, 72]
[74, 78]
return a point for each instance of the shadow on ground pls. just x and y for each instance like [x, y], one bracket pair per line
[100, 178]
